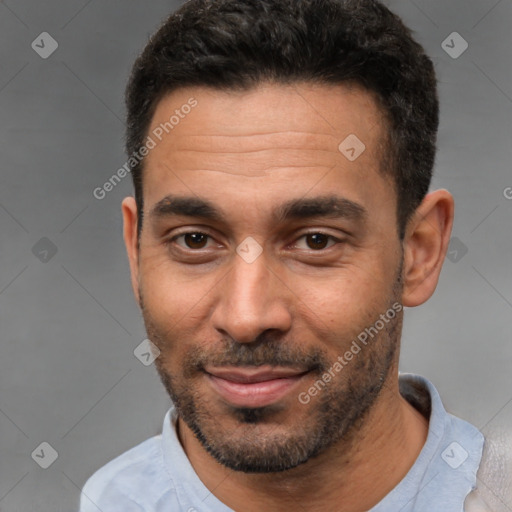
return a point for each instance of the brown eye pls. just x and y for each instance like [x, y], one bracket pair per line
[192, 240]
[317, 240]
[195, 240]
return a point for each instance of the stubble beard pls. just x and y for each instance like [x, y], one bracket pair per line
[336, 413]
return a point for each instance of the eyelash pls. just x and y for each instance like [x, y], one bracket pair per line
[175, 237]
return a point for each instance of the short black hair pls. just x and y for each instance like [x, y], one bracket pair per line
[238, 44]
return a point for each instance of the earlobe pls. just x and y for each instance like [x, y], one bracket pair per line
[129, 211]
[425, 245]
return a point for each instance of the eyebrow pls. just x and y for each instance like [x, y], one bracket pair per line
[329, 206]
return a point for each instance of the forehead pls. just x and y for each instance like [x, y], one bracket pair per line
[322, 109]
[266, 142]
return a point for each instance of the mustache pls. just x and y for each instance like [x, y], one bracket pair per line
[267, 351]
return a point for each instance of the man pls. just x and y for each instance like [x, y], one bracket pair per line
[282, 152]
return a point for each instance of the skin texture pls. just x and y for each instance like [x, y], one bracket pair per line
[299, 304]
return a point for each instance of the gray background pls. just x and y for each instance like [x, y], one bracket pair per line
[69, 325]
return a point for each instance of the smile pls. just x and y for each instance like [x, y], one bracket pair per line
[253, 388]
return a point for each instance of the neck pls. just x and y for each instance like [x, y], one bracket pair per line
[356, 472]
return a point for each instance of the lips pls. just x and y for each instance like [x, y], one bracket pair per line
[253, 387]
[253, 375]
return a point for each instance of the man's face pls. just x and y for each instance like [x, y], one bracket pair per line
[293, 296]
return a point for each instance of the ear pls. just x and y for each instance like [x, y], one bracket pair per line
[425, 245]
[129, 210]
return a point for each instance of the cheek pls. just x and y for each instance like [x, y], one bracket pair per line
[339, 308]
[176, 306]
[170, 293]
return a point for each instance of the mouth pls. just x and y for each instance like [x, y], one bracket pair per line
[254, 387]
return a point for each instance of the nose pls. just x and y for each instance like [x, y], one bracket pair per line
[252, 298]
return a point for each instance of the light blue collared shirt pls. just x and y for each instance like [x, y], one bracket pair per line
[156, 475]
